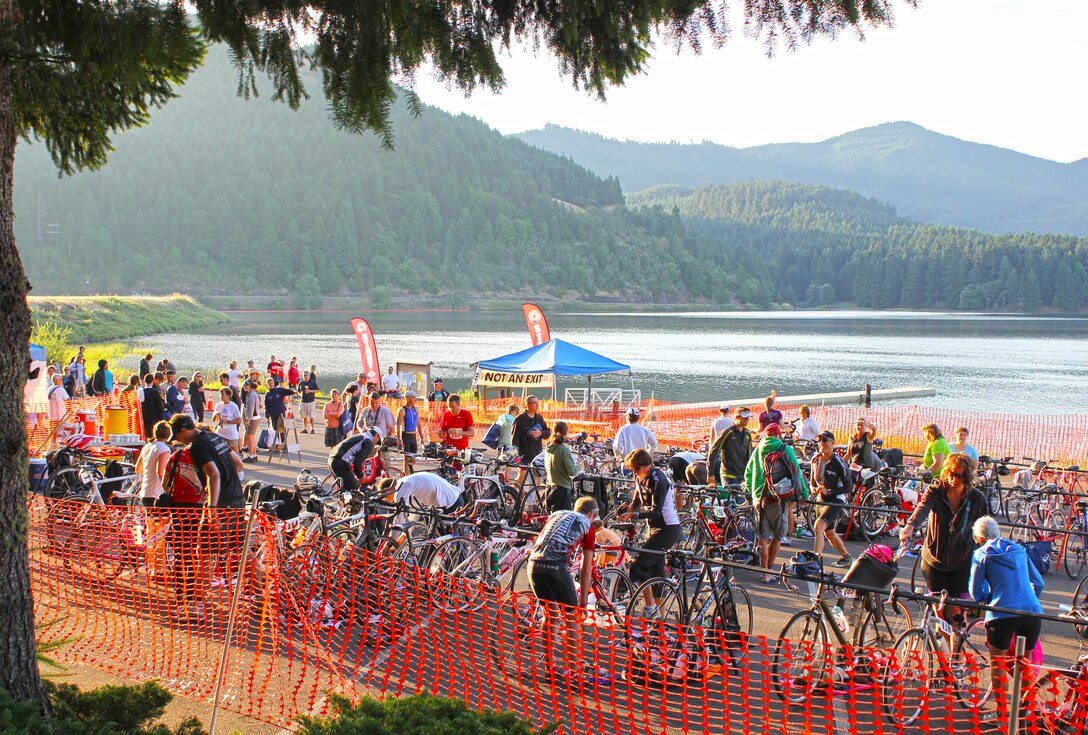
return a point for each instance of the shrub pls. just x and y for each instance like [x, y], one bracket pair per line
[416, 715]
[108, 710]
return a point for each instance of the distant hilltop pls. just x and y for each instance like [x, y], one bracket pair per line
[925, 175]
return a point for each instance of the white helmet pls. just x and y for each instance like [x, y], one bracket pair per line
[306, 481]
[376, 432]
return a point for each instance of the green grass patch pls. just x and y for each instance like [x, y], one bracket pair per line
[112, 318]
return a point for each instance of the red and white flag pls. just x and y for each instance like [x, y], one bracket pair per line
[368, 350]
[537, 324]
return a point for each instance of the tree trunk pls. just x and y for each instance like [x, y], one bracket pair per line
[18, 651]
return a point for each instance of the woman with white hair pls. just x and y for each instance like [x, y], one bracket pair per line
[1002, 576]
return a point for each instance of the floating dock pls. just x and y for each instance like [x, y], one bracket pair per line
[845, 398]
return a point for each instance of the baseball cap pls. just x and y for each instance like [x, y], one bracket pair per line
[180, 422]
[827, 435]
[632, 411]
[724, 407]
[743, 412]
[437, 381]
[411, 394]
[376, 431]
[773, 430]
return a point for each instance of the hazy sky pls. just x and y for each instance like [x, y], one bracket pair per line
[1005, 72]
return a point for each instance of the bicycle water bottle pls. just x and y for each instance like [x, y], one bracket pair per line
[494, 560]
[839, 617]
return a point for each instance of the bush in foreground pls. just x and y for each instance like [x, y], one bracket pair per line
[415, 715]
[107, 710]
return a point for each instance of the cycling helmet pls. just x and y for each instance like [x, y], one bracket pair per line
[306, 481]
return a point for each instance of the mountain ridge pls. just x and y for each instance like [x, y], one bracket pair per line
[926, 175]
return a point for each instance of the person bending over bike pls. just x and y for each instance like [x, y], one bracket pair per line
[424, 489]
[549, 576]
[654, 501]
[1002, 576]
[346, 458]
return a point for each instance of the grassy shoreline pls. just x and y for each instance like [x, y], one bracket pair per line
[112, 318]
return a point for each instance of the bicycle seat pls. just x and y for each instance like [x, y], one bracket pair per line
[121, 495]
[1073, 468]
[269, 505]
[622, 526]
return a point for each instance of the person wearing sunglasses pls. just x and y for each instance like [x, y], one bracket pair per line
[952, 506]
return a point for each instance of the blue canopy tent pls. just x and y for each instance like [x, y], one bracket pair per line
[554, 357]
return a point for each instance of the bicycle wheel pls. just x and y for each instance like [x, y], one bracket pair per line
[970, 666]
[799, 658]
[101, 548]
[727, 626]
[667, 596]
[742, 527]
[692, 536]
[1073, 551]
[516, 640]
[62, 518]
[613, 597]
[882, 627]
[873, 523]
[458, 568]
[69, 482]
[907, 676]
[1055, 706]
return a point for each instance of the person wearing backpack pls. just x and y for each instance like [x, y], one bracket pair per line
[773, 478]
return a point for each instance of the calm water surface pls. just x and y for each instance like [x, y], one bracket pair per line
[974, 362]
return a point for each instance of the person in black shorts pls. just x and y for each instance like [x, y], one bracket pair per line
[549, 576]
[832, 481]
[1002, 576]
[655, 501]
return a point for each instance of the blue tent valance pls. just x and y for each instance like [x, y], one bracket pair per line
[37, 352]
[555, 357]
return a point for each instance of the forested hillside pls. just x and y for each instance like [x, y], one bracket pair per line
[822, 246]
[925, 175]
[227, 198]
[222, 196]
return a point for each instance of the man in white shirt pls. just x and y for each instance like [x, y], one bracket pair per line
[632, 437]
[234, 374]
[57, 397]
[717, 428]
[391, 384]
[809, 430]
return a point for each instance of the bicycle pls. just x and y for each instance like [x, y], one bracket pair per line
[462, 567]
[801, 659]
[921, 657]
[719, 516]
[606, 607]
[1074, 547]
[716, 604]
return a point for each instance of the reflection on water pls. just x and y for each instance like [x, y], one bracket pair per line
[974, 361]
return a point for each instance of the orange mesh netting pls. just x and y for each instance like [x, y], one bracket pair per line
[145, 593]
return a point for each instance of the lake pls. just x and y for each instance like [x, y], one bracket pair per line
[979, 362]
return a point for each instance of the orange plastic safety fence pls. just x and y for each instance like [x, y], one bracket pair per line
[145, 593]
[1061, 438]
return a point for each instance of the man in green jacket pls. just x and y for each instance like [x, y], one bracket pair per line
[771, 511]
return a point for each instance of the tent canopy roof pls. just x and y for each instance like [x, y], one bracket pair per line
[37, 352]
[555, 357]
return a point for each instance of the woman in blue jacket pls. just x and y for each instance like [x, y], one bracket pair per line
[1003, 577]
